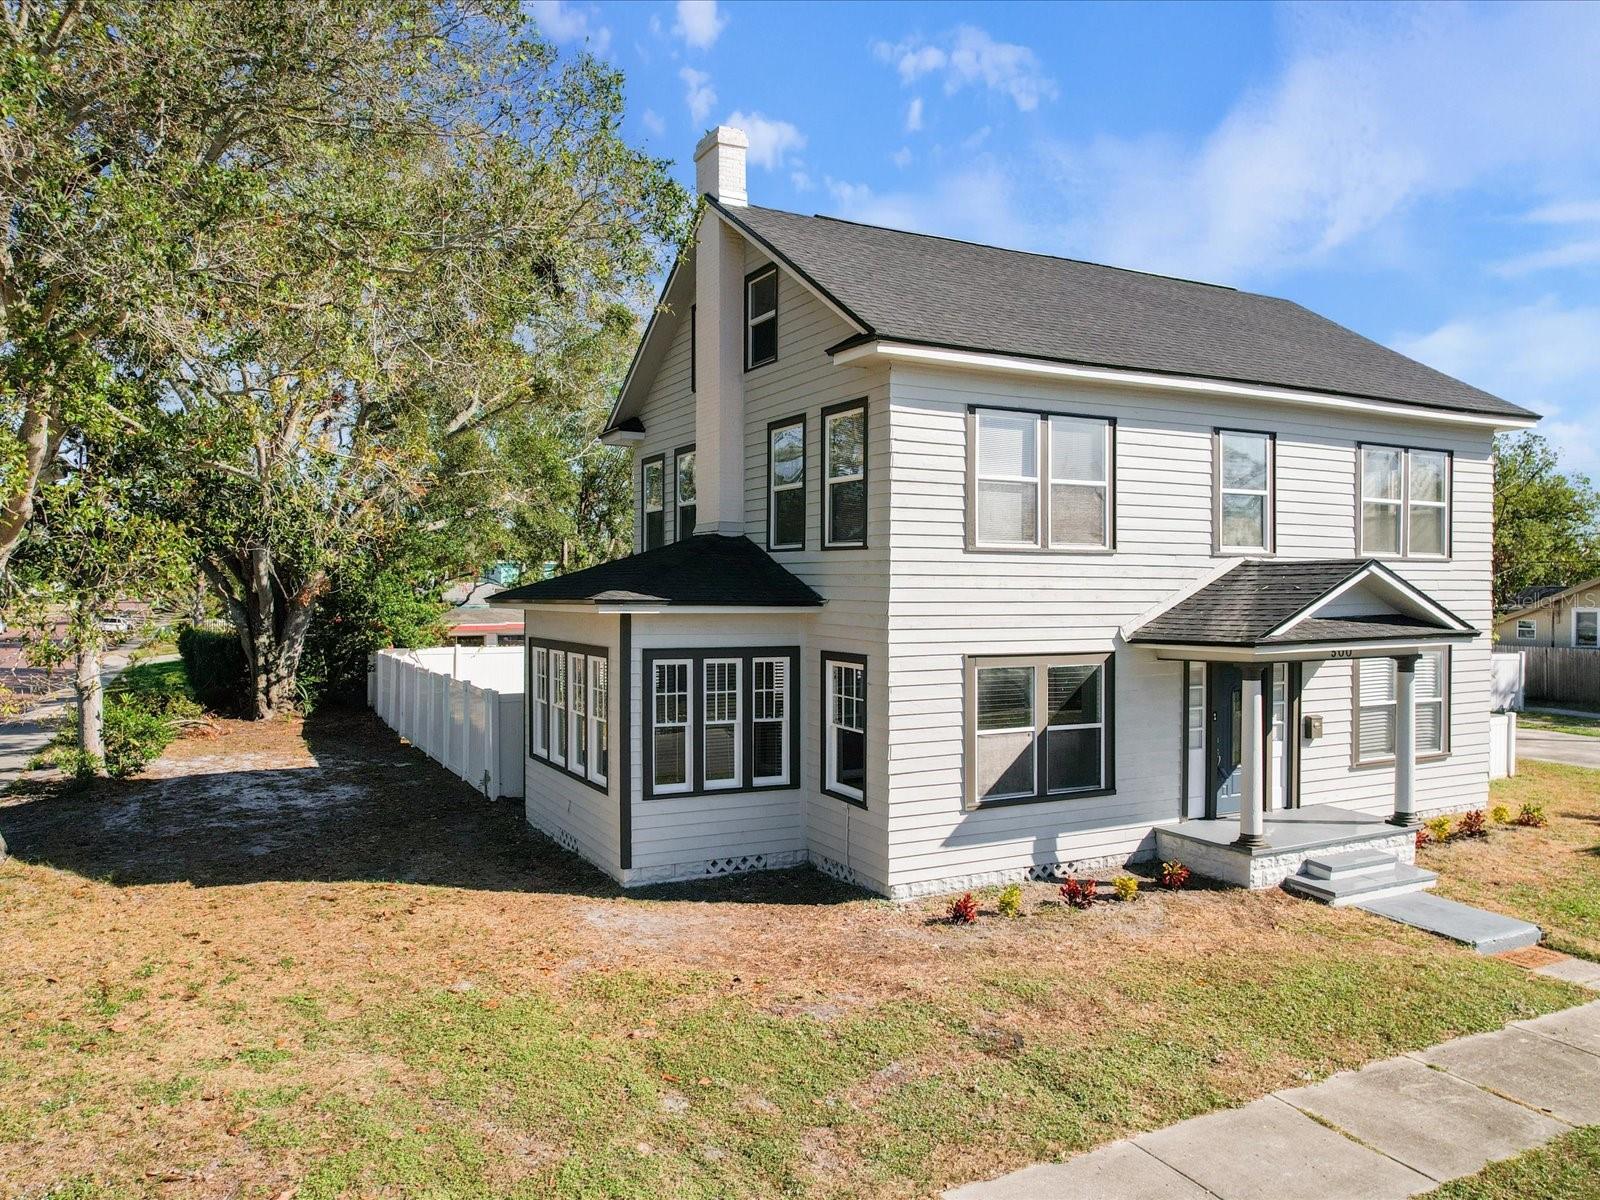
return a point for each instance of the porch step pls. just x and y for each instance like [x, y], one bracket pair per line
[1357, 877]
[1485, 932]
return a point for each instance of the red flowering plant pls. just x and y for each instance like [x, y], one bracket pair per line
[963, 910]
[1080, 893]
[1174, 875]
[1473, 824]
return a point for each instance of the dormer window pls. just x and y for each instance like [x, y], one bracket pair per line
[761, 317]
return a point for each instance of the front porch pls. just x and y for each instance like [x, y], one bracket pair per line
[1288, 838]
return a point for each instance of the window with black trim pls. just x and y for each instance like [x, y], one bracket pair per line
[761, 317]
[683, 477]
[1404, 502]
[1243, 477]
[1377, 706]
[720, 720]
[694, 337]
[844, 475]
[568, 715]
[1038, 728]
[1040, 481]
[786, 485]
[844, 722]
[653, 501]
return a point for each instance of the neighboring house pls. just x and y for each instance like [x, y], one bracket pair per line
[958, 565]
[472, 622]
[1553, 617]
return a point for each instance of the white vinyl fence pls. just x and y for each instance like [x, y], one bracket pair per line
[1507, 679]
[462, 707]
[1502, 744]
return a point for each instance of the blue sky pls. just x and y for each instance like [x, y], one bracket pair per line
[1429, 176]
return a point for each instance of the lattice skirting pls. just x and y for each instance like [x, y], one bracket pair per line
[837, 870]
[712, 867]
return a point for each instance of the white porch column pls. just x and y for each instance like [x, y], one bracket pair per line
[1405, 740]
[1253, 731]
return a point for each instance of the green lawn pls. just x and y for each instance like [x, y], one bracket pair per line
[1565, 1169]
[1560, 723]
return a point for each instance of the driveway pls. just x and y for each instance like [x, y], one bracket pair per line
[1571, 748]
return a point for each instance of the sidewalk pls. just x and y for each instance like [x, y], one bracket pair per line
[1392, 1129]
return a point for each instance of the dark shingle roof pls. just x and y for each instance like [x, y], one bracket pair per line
[705, 569]
[939, 292]
[1245, 605]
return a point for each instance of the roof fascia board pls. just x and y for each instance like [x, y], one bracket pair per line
[622, 437]
[909, 353]
[837, 307]
[1301, 651]
[655, 608]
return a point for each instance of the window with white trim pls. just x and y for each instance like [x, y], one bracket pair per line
[1527, 630]
[653, 499]
[670, 747]
[844, 476]
[1586, 627]
[1244, 478]
[1038, 729]
[558, 708]
[578, 725]
[1377, 706]
[786, 485]
[683, 476]
[761, 317]
[769, 721]
[845, 752]
[599, 719]
[1012, 452]
[539, 714]
[720, 728]
[1405, 502]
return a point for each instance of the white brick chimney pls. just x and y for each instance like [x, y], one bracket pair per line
[719, 349]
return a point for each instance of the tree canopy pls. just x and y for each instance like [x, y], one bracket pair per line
[1546, 523]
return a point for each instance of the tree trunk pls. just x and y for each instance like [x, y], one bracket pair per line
[91, 704]
[39, 445]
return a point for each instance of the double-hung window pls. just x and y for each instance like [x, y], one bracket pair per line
[653, 496]
[1405, 502]
[786, 485]
[1377, 706]
[1586, 627]
[1244, 482]
[670, 746]
[1038, 729]
[721, 720]
[1527, 630]
[683, 476]
[568, 714]
[844, 475]
[1040, 481]
[844, 753]
[761, 317]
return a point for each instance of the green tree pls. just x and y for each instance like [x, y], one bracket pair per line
[1546, 523]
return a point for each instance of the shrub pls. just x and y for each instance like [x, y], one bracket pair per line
[963, 910]
[1500, 814]
[1126, 887]
[1473, 824]
[1532, 816]
[216, 666]
[1079, 893]
[143, 711]
[1010, 902]
[1422, 838]
[1174, 875]
[1438, 828]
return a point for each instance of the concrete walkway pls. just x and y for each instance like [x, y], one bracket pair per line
[1394, 1128]
[1574, 749]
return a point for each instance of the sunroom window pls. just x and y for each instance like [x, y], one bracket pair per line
[669, 746]
[721, 720]
[568, 718]
[721, 727]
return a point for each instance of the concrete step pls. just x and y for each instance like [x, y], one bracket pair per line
[1485, 932]
[1352, 862]
[1370, 883]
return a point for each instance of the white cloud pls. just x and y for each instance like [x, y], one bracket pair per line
[1583, 252]
[653, 122]
[699, 95]
[901, 157]
[802, 181]
[699, 23]
[914, 115]
[1570, 212]
[967, 56]
[976, 138]
[562, 22]
[770, 141]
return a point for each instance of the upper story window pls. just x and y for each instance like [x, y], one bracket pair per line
[1405, 502]
[683, 475]
[1377, 703]
[760, 317]
[1245, 470]
[786, 485]
[1040, 481]
[1038, 729]
[844, 475]
[1527, 630]
[653, 497]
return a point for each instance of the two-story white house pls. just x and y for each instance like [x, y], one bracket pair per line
[957, 564]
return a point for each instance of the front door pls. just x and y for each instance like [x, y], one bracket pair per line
[1225, 711]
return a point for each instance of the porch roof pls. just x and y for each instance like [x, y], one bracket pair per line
[705, 570]
[1271, 603]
